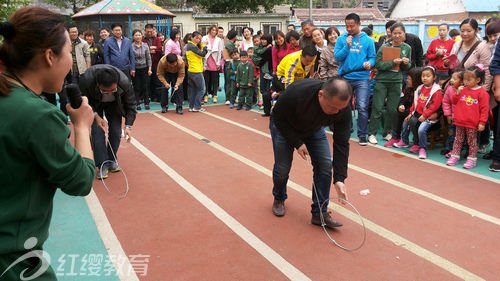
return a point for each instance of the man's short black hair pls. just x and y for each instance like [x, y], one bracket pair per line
[103, 28]
[171, 58]
[231, 34]
[149, 25]
[293, 25]
[106, 77]
[243, 54]
[337, 87]
[354, 17]
[220, 27]
[115, 25]
[309, 51]
[72, 25]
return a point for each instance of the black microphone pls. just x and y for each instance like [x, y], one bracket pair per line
[74, 95]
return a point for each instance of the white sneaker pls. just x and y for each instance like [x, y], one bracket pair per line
[388, 137]
[372, 139]
[228, 102]
[209, 96]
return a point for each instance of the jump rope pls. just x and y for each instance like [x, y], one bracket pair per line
[323, 224]
[75, 100]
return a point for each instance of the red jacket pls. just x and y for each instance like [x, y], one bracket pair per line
[157, 56]
[427, 101]
[434, 47]
[472, 107]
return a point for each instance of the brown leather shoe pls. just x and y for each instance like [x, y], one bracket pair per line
[329, 222]
[279, 208]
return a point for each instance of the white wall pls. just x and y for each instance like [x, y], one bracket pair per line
[422, 8]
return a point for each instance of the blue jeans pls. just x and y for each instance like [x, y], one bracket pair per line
[361, 89]
[419, 130]
[405, 134]
[319, 150]
[197, 83]
[102, 152]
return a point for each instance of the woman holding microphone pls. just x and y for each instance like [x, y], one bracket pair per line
[36, 155]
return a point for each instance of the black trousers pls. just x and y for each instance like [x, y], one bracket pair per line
[211, 82]
[177, 96]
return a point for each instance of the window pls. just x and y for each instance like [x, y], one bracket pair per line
[367, 4]
[336, 5]
[204, 27]
[270, 27]
[238, 26]
[383, 6]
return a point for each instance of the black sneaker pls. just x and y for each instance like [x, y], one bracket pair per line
[495, 167]
[362, 141]
[248, 108]
[239, 107]
[444, 151]
[179, 111]
[488, 155]
[163, 109]
[329, 222]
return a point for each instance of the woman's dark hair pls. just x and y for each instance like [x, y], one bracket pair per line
[174, 33]
[477, 72]
[267, 37]
[486, 25]
[472, 22]
[396, 25]
[135, 31]
[454, 32]
[331, 30]
[249, 28]
[275, 35]
[292, 33]
[30, 32]
[416, 80]
[158, 35]
[492, 27]
[187, 37]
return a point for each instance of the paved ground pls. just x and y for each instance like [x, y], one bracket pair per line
[199, 208]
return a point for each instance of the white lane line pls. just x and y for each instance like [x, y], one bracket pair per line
[407, 187]
[385, 233]
[121, 261]
[267, 252]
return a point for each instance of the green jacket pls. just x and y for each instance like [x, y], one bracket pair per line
[245, 75]
[234, 67]
[384, 73]
[36, 158]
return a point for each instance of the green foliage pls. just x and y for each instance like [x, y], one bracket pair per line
[236, 7]
[7, 7]
[75, 5]
[493, 15]
[169, 3]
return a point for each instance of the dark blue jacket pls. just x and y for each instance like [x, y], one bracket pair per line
[495, 62]
[124, 59]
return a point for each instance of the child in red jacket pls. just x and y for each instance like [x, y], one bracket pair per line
[427, 101]
[471, 114]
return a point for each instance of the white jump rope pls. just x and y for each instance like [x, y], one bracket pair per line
[323, 219]
[111, 161]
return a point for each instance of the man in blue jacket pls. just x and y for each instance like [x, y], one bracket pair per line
[356, 53]
[118, 51]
